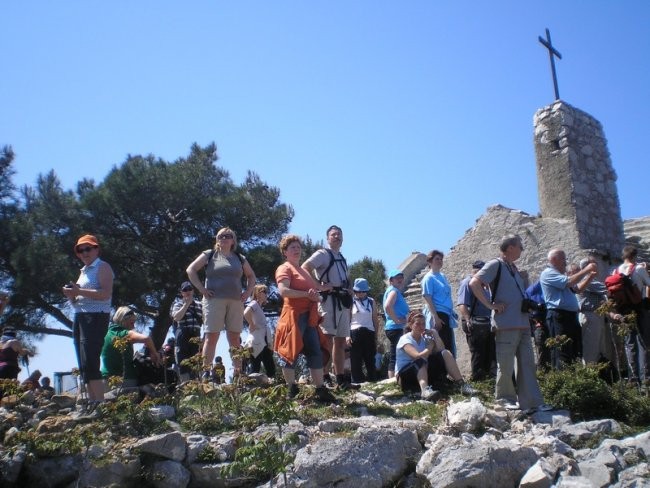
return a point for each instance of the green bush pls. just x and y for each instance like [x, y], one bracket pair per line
[580, 390]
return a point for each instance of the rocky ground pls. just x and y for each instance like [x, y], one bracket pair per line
[373, 437]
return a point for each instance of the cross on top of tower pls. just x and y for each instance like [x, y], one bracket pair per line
[551, 53]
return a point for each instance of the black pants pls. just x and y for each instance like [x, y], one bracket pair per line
[265, 357]
[362, 352]
[480, 340]
[446, 333]
[186, 348]
[540, 334]
[393, 336]
[565, 323]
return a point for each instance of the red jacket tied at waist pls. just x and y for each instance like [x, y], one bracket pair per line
[288, 339]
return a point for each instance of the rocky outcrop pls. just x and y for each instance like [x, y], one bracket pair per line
[476, 445]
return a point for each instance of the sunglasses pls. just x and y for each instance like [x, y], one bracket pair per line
[225, 236]
[83, 250]
[189, 288]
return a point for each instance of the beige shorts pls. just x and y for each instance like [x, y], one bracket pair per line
[335, 322]
[223, 313]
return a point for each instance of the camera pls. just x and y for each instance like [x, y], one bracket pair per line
[528, 306]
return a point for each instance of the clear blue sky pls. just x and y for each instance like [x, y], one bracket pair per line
[399, 121]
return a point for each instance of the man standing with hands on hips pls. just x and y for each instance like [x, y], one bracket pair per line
[329, 267]
[510, 321]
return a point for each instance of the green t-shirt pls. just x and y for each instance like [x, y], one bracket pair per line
[115, 363]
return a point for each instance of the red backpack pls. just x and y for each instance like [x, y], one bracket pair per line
[622, 290]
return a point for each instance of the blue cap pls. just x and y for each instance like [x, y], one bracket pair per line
[394, 273]
[361, 284]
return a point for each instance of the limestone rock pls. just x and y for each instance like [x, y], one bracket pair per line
[169, 446]
[356, 461]
[168, 474]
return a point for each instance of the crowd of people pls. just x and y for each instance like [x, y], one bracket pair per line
[326, 317]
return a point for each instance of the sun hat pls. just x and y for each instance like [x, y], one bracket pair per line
[87, 239]
[361, 284]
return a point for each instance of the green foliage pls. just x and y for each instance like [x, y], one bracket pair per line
[259, 458]
[580, 390]
[149, 237]
[127, 417]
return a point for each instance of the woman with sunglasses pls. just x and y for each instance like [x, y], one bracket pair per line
[223, 298]
[91, 298]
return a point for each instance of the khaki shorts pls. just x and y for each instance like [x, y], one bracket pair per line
[223, 313]
[335, 322]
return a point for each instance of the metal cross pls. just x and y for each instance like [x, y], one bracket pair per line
[551, 51]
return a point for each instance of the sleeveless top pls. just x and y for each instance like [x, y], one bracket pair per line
[401, 309]
[362, 314]
[89, 278]
[223, 275]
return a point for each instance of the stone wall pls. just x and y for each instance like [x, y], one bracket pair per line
[575, 177]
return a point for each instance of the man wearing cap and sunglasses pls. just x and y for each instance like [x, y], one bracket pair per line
[187, 313]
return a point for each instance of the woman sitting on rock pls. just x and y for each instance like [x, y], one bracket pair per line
[421, 355]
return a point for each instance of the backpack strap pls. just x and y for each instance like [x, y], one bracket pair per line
[494, 286]
[211, 255]
[325, 276]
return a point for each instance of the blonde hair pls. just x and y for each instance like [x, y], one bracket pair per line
[259, 289]
[121, 313]
[225, 230]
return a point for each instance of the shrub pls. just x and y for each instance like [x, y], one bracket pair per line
[582, 391]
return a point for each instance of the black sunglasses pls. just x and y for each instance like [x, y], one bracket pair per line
[82, 250]
[187, 288]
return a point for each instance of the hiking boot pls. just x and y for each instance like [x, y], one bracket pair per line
[328, 381]
[346, 385]
[322, 394]
[430, 394]
[467, 389]
[292, 391]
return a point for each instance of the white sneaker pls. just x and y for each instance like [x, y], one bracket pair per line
[508, 405]
[429, 394]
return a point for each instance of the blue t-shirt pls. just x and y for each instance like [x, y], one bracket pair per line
[466, 297]
[400, 307]
[557, 293]
[437, 287]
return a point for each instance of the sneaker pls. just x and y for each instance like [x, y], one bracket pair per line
[430, 394]
[467, 389]
[508, 405]
[346, 385]
[292, 391]
[328, 381]
[323, 394]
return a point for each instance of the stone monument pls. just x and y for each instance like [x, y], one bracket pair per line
[579, 206]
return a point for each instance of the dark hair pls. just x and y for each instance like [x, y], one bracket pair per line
[433, 254]
[331, 228]
[629, 252]
[509, 240]
[412, 317]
